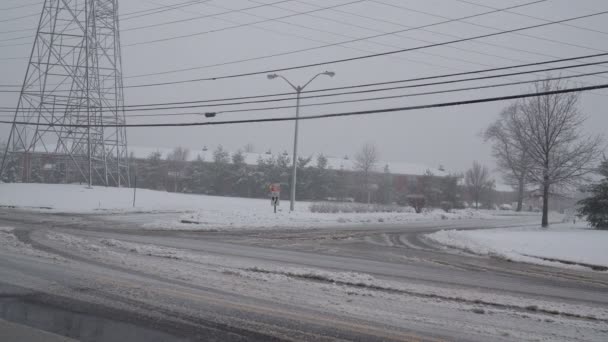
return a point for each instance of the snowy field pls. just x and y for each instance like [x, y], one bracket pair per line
[199, 212]
[564, 242]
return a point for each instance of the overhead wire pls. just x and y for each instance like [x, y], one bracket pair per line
[315, 40]
[287, 33]
[320, 116]
[460, 48]
[363, 85]
[349, 59]
[190, 104]
[128, 29]
[124, 17]
[534, 17]
[489, 27]
[190, 35]
[479, 42]
[369, 99]
[21, 6]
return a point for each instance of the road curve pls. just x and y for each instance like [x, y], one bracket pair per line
[374, 283]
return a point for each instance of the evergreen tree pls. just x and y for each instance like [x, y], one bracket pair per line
[321, 187]
[240, 177]
[429, 188]
[198, 177]
[263, 176]
[450, 192]
[595, 207]
[282, 173]
[219, 172]
[305, 179]
[152, 173]
[386, 186]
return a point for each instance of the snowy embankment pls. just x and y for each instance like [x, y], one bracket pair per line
[564, 244]
[198, 212]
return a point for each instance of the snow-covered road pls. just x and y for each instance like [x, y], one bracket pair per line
[369, 283]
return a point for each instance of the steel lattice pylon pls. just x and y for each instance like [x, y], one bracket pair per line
[74, 76]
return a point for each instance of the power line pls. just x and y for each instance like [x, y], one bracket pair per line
[406, 95]
[20, 6]
[322, 116]
[440, 33]
[421, 40]
[331, 44]
[18, 18]
[237, 26]
[368, 99]
[533, 17]
[202, 16]
[352, 58]
[287, 33]
[374, 84]
[124, 17]
[380, 90]
[161, 9]
[488, 27]
[307, 38]
[371, 99]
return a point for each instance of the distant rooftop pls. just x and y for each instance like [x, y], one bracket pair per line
[400, 168]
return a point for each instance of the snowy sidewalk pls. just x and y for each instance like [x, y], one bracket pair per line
[564, 244]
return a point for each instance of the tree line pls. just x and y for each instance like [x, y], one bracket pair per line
[228, 174]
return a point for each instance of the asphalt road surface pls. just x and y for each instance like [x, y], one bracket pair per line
[109, 278]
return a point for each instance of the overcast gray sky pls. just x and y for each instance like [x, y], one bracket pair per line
[447, 136]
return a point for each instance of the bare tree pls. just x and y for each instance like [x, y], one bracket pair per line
[177, 161]
[249, 148]
[510, 149]
[365, 162]
[477, 180]
[561, 154]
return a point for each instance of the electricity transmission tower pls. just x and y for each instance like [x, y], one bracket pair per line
[74, 77]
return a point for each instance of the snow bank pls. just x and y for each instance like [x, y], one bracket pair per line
[79, 198]
[574, 244]
[10, 243]
[198, 212]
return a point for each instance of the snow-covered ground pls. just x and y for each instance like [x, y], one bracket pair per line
[199, 267]
[10, 243]
[199, 212]
[574, 243]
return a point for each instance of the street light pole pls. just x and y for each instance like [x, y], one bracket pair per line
[294, 166]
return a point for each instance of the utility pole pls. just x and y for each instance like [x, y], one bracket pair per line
[294, 166]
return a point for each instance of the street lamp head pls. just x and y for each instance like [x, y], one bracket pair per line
[329, 73]
[272, 76]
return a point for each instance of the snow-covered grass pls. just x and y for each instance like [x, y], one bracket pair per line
[80, 199]
[572, 243]
[199, 212]
[343, 207]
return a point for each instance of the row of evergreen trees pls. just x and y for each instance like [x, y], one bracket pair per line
[230, 175]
